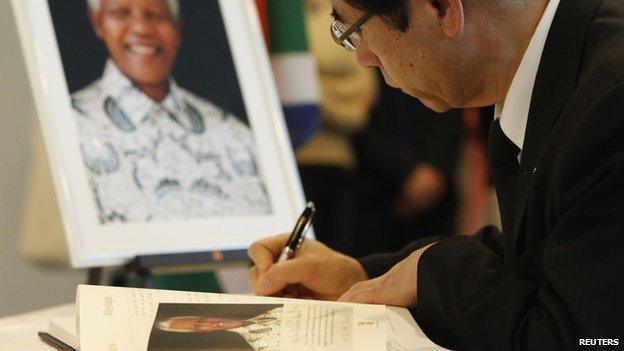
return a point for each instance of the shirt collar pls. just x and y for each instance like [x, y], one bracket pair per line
[135, 104]
[514, 111]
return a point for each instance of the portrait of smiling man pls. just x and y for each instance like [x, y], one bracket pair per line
[154, 150]
[552, 276]
[218, 327]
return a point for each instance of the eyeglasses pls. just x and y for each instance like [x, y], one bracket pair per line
[348, 37]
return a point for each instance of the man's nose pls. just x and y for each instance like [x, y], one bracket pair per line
[365, 57]
[141, 24]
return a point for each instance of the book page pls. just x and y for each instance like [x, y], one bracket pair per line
[404, 334]
[120, 319]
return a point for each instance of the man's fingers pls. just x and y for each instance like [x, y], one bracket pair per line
[362, 292]
[281, 274]
[264, 252]
[252, 275]
[360, 295]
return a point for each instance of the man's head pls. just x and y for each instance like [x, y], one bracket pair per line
[142, 36]
[441, 51]
[393, 12]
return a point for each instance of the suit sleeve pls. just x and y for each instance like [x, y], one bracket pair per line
[469, 299]
[378, 264]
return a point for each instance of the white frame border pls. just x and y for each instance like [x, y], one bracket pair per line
[241, 21]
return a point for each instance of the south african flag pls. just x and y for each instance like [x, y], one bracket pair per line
[293, 65]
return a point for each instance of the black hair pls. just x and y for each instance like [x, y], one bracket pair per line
[393, 12]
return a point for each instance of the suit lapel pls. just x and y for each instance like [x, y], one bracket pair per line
[554, 85]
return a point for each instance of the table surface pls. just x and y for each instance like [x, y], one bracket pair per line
[19, 332]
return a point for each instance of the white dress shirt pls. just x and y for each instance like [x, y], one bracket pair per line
[514, 111]
[182, 158]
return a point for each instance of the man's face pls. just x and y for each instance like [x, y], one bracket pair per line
[204, 324]
[141, 36]
[422, 61]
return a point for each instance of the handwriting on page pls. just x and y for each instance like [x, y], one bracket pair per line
[141, 303]
[318, 327]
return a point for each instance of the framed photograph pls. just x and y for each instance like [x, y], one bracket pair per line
[162, 125]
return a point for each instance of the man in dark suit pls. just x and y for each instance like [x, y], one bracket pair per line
[555, 70]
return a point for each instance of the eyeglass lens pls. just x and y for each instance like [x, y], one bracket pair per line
[338, 29]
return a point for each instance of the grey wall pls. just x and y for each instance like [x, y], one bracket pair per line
[23, 285]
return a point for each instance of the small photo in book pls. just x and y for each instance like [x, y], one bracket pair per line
[216, 327]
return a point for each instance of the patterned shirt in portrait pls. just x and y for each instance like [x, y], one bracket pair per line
[182, 158]
[263, 332]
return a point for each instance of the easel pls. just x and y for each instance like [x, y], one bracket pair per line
[145, 266]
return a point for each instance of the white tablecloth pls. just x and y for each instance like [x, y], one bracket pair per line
[19, 333]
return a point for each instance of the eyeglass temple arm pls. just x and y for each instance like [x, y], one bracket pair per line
[354, 27]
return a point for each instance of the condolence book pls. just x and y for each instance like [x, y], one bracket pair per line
[113, 318]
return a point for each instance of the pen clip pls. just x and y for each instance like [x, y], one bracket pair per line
[303, 224]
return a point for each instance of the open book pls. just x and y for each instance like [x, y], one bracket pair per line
[113, 318]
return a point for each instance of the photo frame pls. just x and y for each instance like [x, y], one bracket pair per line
[118, 202]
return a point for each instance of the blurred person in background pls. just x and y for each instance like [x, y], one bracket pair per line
[478, 205]
[327, 162]
[408, 156]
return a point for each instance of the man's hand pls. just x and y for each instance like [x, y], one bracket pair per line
[316, 271]
[398, 287]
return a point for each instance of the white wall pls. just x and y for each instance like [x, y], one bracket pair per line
[23, 286]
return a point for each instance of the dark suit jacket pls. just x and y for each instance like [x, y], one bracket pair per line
[557, 273]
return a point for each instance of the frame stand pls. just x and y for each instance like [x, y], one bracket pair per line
[94, 276]
[144, 267]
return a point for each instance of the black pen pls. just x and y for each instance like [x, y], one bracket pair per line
[54, 342]
[298, 234]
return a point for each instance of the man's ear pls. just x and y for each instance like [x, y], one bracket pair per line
[96, 22]
[450, 16]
